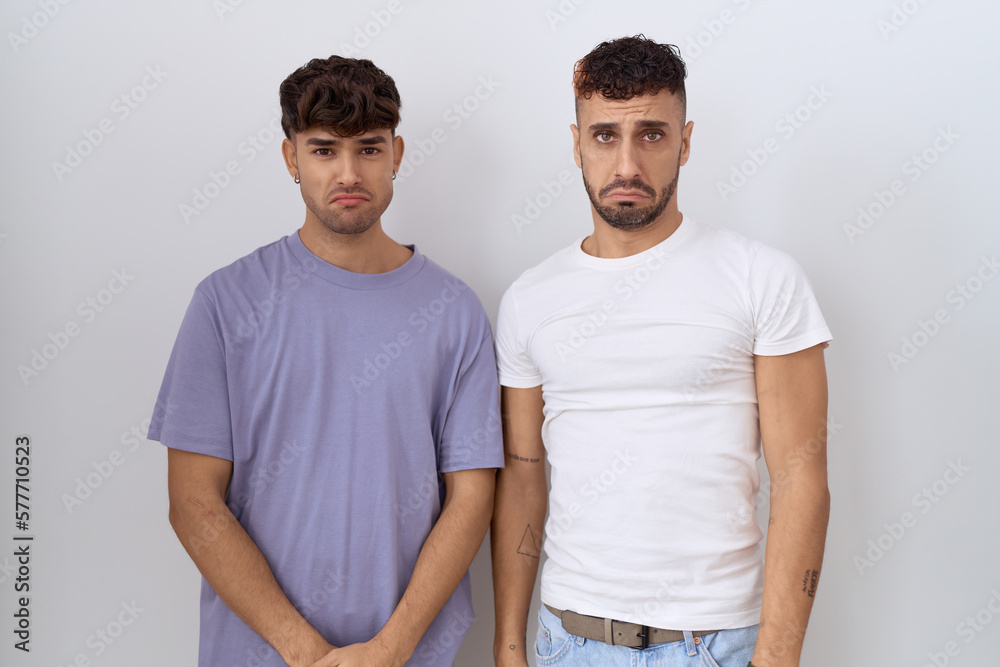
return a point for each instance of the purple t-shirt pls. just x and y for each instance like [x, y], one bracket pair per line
[340, 398]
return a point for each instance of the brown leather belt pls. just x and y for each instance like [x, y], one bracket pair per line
[618, 633]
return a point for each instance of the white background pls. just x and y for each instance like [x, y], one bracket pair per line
[898, 427]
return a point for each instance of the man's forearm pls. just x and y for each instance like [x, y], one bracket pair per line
[796, 537]
[443, 561]
[237, 571]
[516, 540]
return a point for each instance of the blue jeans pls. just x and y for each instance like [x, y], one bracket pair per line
[726, 648]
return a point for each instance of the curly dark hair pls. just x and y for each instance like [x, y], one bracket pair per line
[347, 95]
[628, 67]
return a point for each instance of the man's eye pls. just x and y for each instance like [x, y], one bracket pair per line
[370, 151]
[603, 137]
[322, 151]
[653, 136]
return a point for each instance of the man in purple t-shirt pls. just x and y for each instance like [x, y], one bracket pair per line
[331, 412]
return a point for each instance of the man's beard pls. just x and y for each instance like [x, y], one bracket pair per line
[350, 222]
[627, 216]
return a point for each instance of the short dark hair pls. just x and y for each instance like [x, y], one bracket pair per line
[628, 67]
[347, 95]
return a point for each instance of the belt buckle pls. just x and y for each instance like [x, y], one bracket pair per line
[643, 636]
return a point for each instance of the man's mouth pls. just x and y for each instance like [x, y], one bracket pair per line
[627, 195]
[349, 199]
[627, 191]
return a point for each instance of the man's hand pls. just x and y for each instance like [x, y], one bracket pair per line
[372, 653]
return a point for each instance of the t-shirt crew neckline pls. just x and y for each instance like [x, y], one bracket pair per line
[350, 279]
[666, 245]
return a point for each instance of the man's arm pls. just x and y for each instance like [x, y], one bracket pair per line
[230, 561]
[792, 397]
[518, 519]
[443, 561]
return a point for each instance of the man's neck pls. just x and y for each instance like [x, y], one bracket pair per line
[371, 251]
[608, 243]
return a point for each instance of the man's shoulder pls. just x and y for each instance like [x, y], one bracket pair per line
[746, 256]
[252, 271]
[736, 250]
[437, 288]
[722, 239]
[553, 268]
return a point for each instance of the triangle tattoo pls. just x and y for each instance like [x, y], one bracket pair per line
[529, 546]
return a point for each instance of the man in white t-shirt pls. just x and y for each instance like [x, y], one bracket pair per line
[650, 363]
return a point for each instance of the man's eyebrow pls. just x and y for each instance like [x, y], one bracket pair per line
[363, 141]
[642, 124]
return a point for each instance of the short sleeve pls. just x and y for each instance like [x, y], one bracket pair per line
[514, 362]
[472, 435]
[192, 409]
[786, 315]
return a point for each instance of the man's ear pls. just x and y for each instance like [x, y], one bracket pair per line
[288, 152]
[397, 152]
[576, 145]
[686, 141]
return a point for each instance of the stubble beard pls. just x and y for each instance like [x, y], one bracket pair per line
[350, 221]
[627, 216]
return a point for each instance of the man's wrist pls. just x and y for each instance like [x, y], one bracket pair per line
[509, 649]
[392, 650]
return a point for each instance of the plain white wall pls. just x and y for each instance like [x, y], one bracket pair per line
[895, 75]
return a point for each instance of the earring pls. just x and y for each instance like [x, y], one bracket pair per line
[297, 180]
[393, 175]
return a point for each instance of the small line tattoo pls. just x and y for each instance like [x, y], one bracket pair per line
[522, 458]
[529, 546]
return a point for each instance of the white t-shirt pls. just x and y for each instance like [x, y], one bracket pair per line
[651, 424]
